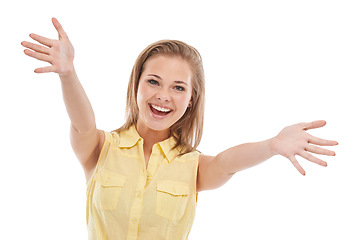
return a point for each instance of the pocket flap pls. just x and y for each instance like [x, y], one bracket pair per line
[173, 188]
[110, 179]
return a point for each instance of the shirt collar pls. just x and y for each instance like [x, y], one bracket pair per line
[131, 137]
[166, 147]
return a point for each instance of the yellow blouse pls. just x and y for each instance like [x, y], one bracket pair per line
[127, 201]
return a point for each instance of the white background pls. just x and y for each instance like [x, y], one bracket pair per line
[268, 64]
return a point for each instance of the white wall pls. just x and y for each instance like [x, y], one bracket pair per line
[268, 64]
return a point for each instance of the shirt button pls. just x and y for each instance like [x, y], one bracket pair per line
[139, 194]
[134, 220]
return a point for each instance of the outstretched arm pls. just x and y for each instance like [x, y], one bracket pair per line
[60, 54]
[84, 135]
[292, 140]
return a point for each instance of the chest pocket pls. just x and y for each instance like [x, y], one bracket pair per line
[172, 198]
[107, 189]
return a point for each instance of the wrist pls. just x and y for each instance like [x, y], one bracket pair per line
[67, 70]
[68, 75]
[272, 143]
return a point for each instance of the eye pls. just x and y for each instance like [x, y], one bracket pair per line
[179, 88]
[153, 82]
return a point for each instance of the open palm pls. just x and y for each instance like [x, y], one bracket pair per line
[294, 140]
[59, 53]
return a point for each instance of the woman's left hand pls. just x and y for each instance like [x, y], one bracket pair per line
[294, 140]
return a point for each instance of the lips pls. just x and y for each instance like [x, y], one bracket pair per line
[158, 111]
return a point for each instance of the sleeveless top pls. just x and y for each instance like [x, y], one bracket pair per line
[127, 201]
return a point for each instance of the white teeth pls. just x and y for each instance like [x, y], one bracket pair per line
[161, 109]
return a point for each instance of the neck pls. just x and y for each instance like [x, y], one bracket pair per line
[151, 136]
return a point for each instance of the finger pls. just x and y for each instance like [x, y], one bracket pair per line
[39, 56]
[45, 69]
[322, 142]
[297, 165]
[43, 40]
[312, 158]
[35, 47]
[312, 125]
[318, 150]
[59, 28]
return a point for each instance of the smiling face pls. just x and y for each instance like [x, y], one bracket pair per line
[164, 92]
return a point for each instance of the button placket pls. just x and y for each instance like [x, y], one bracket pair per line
[139, 194]
[153, 161]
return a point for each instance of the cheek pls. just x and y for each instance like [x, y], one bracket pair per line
[183, 102]
[141, 96]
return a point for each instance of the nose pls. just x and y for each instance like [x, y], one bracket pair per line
[163, 95]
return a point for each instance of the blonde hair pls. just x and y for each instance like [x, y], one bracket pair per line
[187, 131]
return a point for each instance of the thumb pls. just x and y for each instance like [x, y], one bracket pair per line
[315, 124]
[59, 28]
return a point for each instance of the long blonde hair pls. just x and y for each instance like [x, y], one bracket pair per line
[187, 131]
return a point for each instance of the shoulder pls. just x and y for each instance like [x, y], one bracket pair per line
[204, 162]
[205, 159]
[112, 138]
[202, 159]
[193, 153]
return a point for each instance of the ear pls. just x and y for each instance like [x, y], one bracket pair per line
[190, 103]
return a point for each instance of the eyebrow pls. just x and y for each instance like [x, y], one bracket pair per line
[157, 76]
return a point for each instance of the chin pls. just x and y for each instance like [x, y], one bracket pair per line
[158, 126]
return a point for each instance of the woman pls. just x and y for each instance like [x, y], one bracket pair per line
[143, 178]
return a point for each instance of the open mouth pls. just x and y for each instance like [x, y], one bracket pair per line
[159, 111]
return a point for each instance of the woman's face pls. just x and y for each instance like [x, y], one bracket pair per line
[164, 91]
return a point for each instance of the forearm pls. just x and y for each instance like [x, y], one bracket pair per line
[77, 103]
[244, 156]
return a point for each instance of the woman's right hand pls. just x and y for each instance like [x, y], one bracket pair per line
[59, 53]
